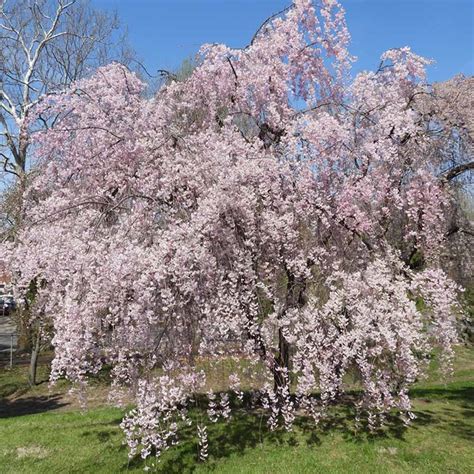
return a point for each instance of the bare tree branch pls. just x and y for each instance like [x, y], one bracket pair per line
[458, 170]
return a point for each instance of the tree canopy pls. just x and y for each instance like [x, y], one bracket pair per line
[267, 206]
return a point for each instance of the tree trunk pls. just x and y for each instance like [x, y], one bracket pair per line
[25, 339]
[295, 298]
[34, 358]
[282, 365]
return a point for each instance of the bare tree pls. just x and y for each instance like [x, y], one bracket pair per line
[44, 46]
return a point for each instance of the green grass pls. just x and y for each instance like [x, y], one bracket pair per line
[60, 439]
[15, 381]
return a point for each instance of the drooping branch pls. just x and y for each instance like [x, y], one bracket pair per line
[267, 21]
[458, 170]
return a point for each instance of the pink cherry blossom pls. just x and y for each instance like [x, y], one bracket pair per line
[266, 203]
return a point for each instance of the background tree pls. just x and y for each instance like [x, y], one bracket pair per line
[447, 109]
[45, 45]
[450, 113]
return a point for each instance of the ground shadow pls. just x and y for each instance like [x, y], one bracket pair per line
[244, 431]
[460, 394]
[248, 429]
[107, 431]
[30, 405]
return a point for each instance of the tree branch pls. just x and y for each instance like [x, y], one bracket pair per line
[267, 21]
[457, 170]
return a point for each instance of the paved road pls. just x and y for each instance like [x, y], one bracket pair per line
[7, 327]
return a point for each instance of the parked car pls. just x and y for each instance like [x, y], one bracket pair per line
[7, 304]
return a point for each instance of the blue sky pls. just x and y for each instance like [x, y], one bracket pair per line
[164, 32]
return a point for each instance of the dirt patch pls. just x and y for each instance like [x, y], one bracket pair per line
[35, 452]
[389, 450]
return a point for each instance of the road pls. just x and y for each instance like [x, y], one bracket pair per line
[7, 327]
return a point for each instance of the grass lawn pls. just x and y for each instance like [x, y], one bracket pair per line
[42, 434]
